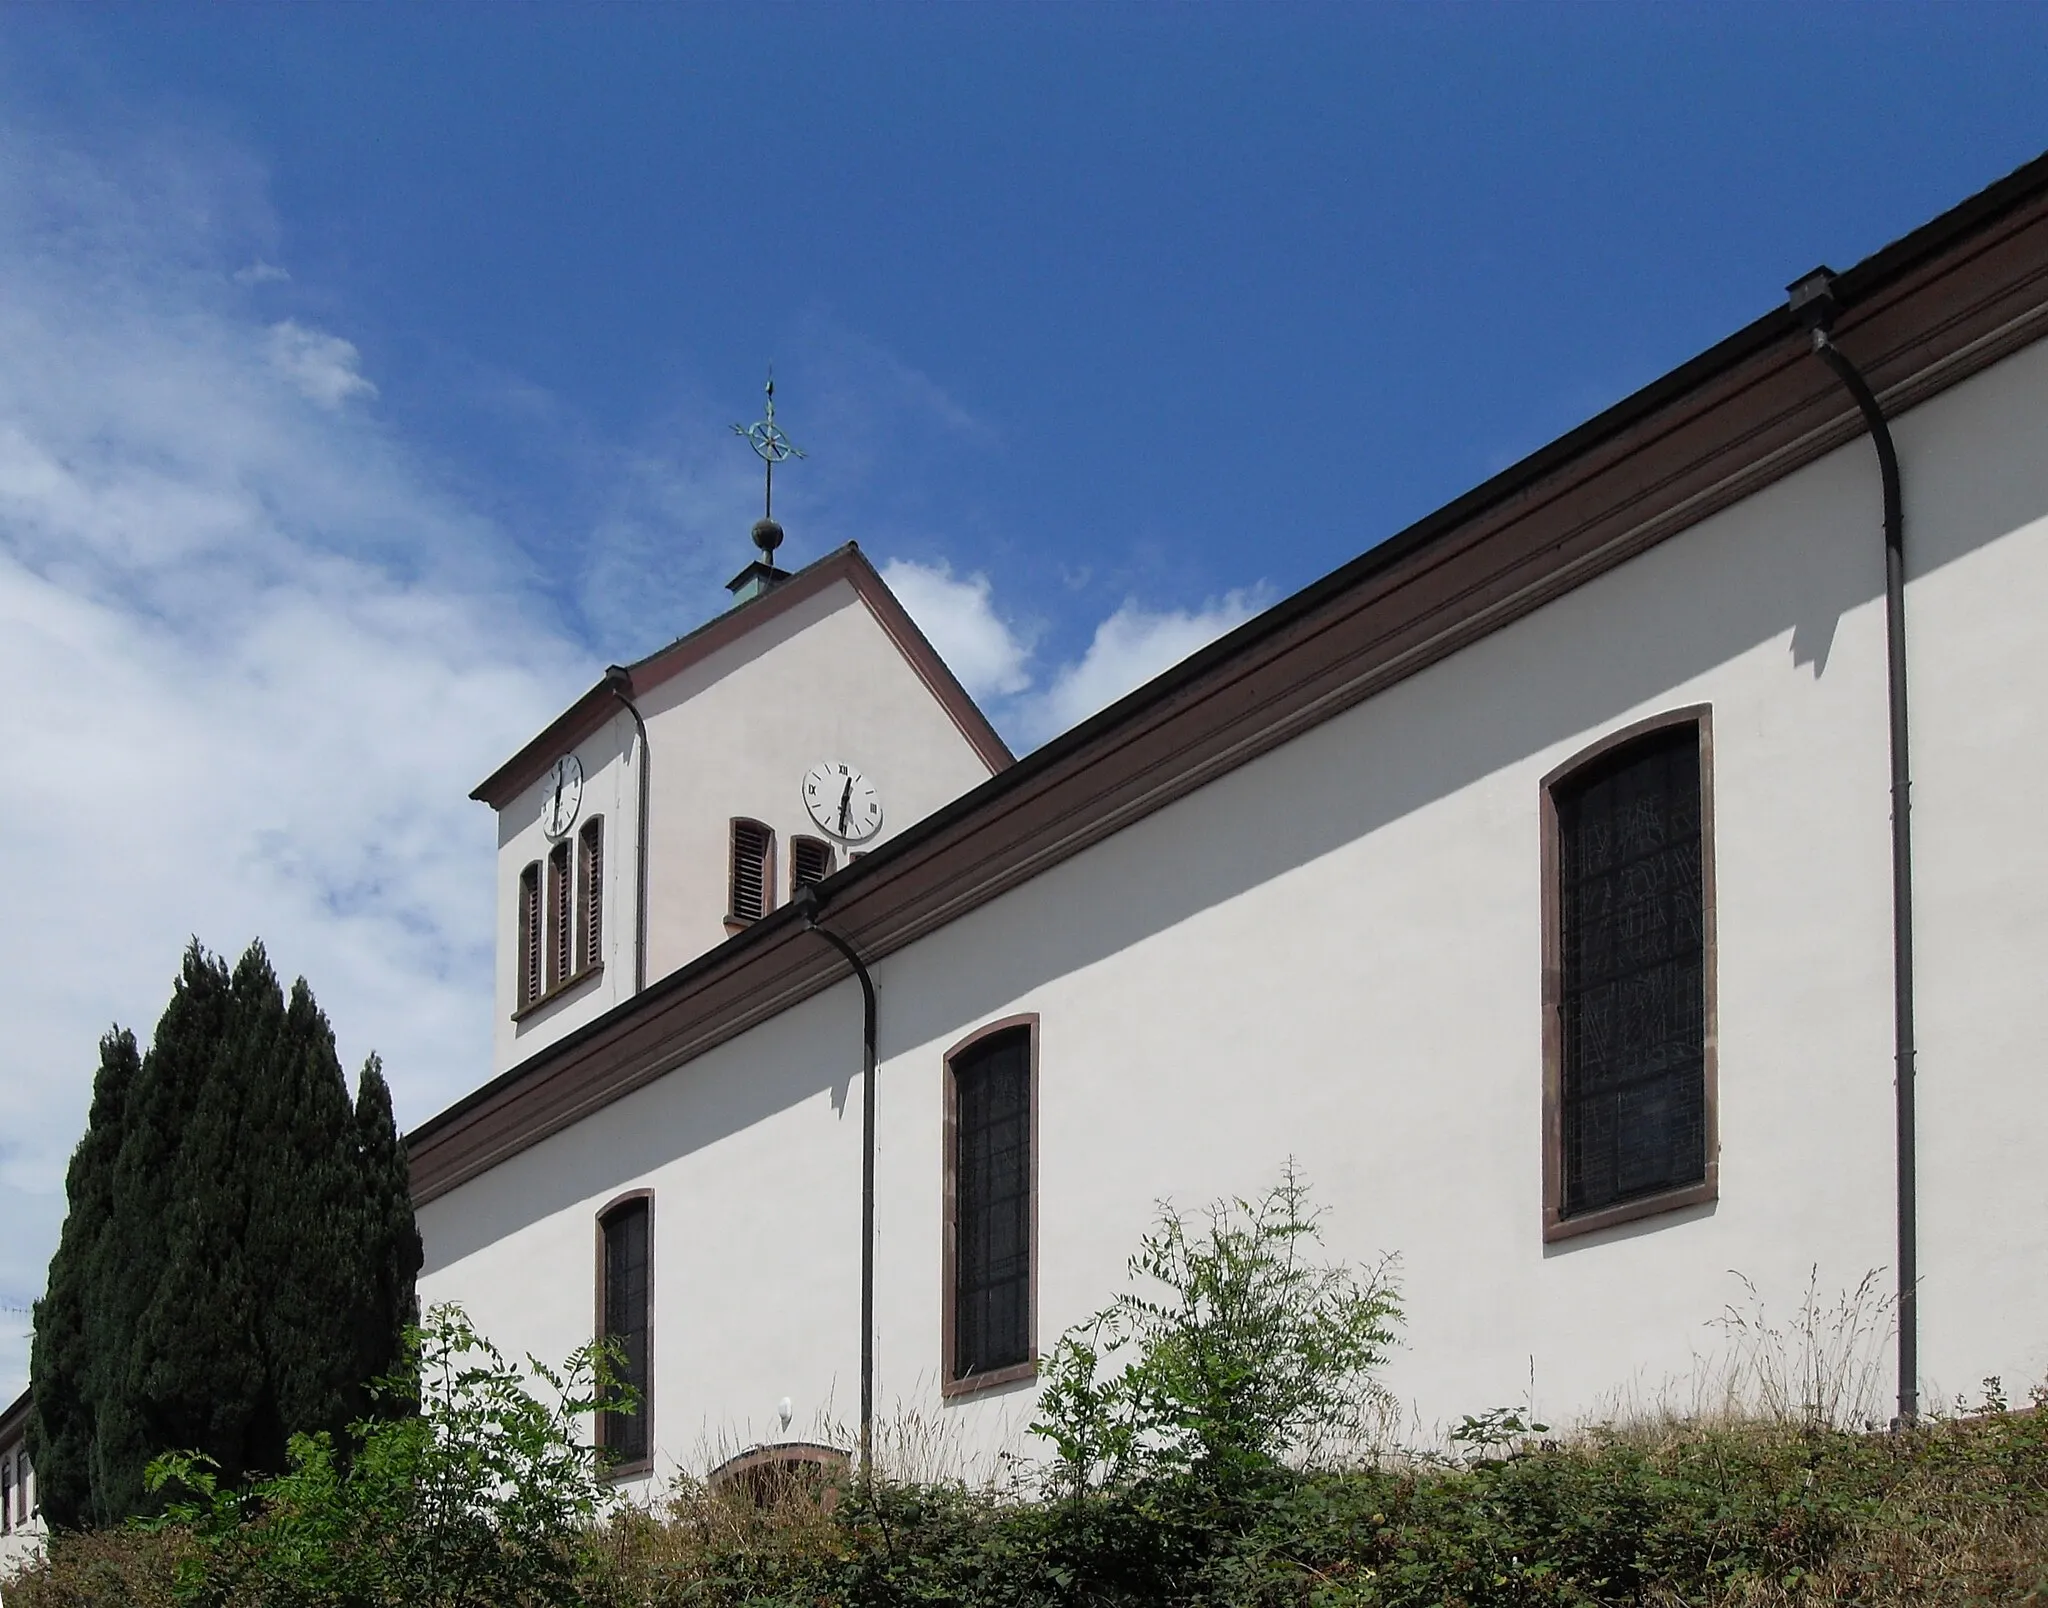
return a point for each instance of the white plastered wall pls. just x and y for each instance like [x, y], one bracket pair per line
[731, 735]
[1333, 954]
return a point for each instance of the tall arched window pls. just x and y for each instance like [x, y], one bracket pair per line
[1629, 1069]
[990, 1333]
[753, 872]
[625, 1316]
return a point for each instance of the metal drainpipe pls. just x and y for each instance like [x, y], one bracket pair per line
[620, 680]
[807, 900]
[1813, 299]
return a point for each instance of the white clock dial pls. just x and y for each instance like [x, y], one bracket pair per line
[842, 801]
[563, 795]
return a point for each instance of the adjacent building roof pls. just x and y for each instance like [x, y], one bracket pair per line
[1919, 316]
[847, 564]
[14, 1419]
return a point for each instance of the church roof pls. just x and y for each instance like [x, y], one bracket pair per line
[1919, 316]
[848, 564]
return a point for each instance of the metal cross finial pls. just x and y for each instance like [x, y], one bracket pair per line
[767, 440]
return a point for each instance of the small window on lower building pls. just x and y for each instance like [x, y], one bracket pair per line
[1633, 1119]
[753, 871]
[810, 860]
[991, 1329]
[529, 935]
[6, 1494]
[625, 1318]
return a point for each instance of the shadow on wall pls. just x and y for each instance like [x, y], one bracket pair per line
[1787, 564]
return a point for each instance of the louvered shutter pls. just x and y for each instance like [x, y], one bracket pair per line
[751, 842]
[561, 911]
[590, 952]
[810, 860]
[529, 935]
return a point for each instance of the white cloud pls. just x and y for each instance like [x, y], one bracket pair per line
[993, 659]
[986, 654]
[1129, 648]
[323, 367]
[254, 660]
[260, 272]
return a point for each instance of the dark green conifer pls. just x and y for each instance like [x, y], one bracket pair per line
[60, 1430]
[255, 1252]
[393, 1253]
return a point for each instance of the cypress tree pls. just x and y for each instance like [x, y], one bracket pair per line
[60, 1429]
[239, 1258]
[391, 1239]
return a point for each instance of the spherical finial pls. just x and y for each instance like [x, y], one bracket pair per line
[767, 537]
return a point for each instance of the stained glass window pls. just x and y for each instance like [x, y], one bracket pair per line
[992, 1205]
[1633, 973]
[626, 1322]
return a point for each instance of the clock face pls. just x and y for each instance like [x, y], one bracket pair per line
[564, 794]
[842, 801]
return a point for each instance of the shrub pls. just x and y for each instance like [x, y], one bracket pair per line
[477, 1494]
[1237, 1352]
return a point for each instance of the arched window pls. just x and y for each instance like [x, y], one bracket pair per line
[625, 1316]
[753, 872]
[529, 935]
[1629, 1086]
[791, 1471]
[590, 894]
[810, 860]
[991, 1200]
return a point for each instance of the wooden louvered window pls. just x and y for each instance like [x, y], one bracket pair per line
[991, 1208]
[1630, 1079]
[625, 1317]
[753, 871]
[561, 912]
[810, 860]
[590, 894]
[529, 935]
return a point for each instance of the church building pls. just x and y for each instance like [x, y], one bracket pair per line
[1627, 878]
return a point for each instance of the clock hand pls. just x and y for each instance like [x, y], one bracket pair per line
[845, 804]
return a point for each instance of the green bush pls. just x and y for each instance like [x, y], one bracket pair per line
[473, 1493]
[1236, 1352]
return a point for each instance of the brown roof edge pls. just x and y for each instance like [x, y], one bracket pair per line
[847, 563]
[932, 670]
[1923, 313]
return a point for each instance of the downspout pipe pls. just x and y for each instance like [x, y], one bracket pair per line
[620, 680]
[1813, 299]
[807, 900]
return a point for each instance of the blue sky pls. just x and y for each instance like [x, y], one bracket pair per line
[368, 374]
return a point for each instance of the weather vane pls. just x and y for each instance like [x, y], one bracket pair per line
[773, 447]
